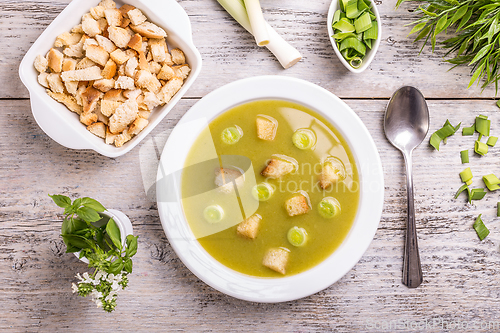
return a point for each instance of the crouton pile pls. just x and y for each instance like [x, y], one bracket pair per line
[112, 70]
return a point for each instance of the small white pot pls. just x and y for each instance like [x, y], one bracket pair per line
[123, 223]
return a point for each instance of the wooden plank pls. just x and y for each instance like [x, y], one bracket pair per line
[460, 272]
[229, 52]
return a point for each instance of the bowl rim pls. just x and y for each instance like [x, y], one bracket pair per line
[57, 121]
[334, 5]
[270, 290]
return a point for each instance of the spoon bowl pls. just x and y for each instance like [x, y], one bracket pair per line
[406, 124]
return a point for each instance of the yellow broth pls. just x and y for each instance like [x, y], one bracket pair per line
[245, 255]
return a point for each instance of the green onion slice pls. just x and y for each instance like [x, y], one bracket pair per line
[351, 10]
[481, 148]
[442, 133]
[336, 16]
[356, 62]
[231, 135]
[480, 228]
[329, 207]
[483, 125]
[372, 32]
[343, 35]
[498, 103]
[304, 138]
[464, 155]
[297, 236]
[476, 194]
[363, 23]
[491, 181]
[344, 25]
[467, 131]
[262, 191]
[213, 214]
[498, 209]
[466, 175]
[353, 43]
[492, 141]
[461, 189]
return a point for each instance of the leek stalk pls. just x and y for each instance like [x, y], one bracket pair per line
[257, 22]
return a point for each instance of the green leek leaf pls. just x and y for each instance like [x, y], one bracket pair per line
[481, 230]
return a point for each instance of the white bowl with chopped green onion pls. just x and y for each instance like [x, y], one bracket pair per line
[355, 32]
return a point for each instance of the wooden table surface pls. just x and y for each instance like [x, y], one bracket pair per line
[460, 272]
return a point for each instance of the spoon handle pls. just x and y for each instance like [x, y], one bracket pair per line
[412, 271]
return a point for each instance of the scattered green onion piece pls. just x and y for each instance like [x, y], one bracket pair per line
[371, 33]
[491, 181]
[479, 137]
[297, 236]
[213, 213]
[356, 62]
[363, 23]
[467, 131]
[481, 148]
[344, 25]
[368, 43]
[442, 133]
[340, 36]
[336, 16]
[343, 5]
[353, 43]
[466, 175]
[262, 191]
[492, 141]
[483, 125]
[464, 155]
[498, 209]
[329, 207]
[304, 138]
[351, 10]
[231, 135]
[461, 189]
[498, 103]
[476, 194]
[469, 182]
[480, 228]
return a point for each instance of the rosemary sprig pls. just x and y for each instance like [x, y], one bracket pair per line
[476, 25]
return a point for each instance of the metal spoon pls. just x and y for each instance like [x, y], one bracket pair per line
[406, 124]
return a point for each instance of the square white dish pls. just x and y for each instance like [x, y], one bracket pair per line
[64, 126]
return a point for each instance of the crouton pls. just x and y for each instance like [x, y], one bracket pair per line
[135, 43]
[149, 30]
[90, 26]
[90, 97]
[150, 100]
[42, 79]
[131, 66]
[105, 43]
[103, 27]
[266, 128]
[144, 79]
[85, 63]
[166, 73]
[143, 62]
[182, 71]
[100, 117]
[277, 168]
[55, 83]
[88, 118]
[69, 64]
[55, 60]
[132, 94]
[178, 57]
[110, 137]
[107, 4]
[98, 129]
[136, 16]
[124, 82]
[125, 9]
[157, 47]
[330, 174]
[41, 64]
[82, 86]
[104, 85]
[276, 259]
[87, 74]
[67, 100]
[114, 95]
[168, 59]
[97, 54]
[144, 114]
[76, 50]
[125, 114]
[137, 126]
[297, 205]
[169, 90]
[119, 36]
[97, 12]
[119, 56]
[122, 138]
[113, 17]
[108, 107]
[249, 227]
[109, 70]
[67, 39]
[88, 42]
[154, 67]
[125, 23]
[71, 87]
[77, 29]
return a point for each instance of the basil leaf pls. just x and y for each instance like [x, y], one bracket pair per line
[61, 200]
[114, 233]
[131, 246]
[72, 225]
[128, 265]
[77, 241]
[94, 204]
[72, 249]
[88, 214]
[116, 266]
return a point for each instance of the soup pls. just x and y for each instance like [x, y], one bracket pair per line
[270, 188]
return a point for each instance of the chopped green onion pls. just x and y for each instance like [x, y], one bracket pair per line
[492, 141]
[483, 125]
[461, 189]
[467, 131]
[466, 175]
[231, 135]
[498, 103]
[213, 213]
[481, 148]
[353, 43]
[351, 10]
[371, 33]
[344, 25]
[363, 6]
[336, 16]
[304, 138]
[464, 155]
[356, 62]
[343, 35]
[297, 236]
[469, 182]
[480, 228]
[329, 207]
[442, 133]
[476, 194]
[368, 43]
[262, 191]
[363, 23]
[498, 208]
[491, 181]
